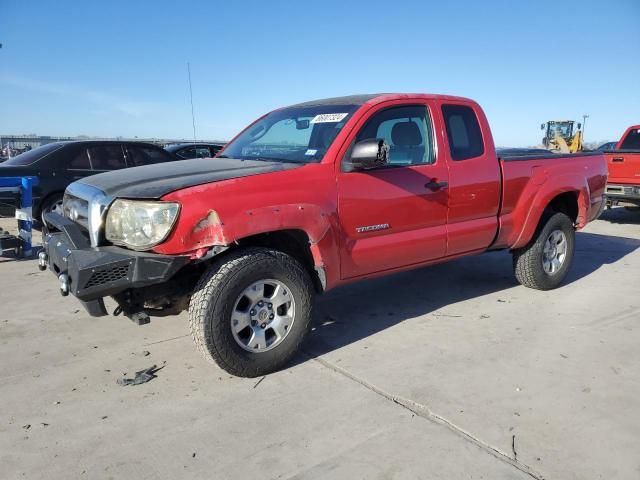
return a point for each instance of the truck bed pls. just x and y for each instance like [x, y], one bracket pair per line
[526, 190]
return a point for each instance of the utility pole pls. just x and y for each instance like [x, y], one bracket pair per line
[193, 118]
[584, 125]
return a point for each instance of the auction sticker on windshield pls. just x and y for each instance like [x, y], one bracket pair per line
[329, 118]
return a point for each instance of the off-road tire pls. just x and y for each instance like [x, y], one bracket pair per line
[211, 305]
[527, 261]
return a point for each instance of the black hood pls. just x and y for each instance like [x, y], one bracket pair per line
[155, 181]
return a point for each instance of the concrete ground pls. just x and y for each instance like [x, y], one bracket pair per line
[449, 372]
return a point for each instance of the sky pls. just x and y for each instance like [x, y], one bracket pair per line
[119, 68]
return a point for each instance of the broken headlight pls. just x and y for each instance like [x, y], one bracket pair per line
[140, 224]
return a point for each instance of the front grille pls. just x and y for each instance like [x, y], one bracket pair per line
[108, 275]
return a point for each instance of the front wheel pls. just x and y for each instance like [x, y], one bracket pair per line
[51, 204]
[251, 311]
[544, 262]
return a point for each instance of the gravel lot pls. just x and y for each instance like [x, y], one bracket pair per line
[449, 372]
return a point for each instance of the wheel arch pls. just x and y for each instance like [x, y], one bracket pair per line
[37, 208]
[295, 243]
[570, 201]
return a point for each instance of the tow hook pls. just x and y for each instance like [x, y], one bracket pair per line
[64, 284]
[42, 261]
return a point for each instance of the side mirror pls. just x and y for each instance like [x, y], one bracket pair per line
[368, 154]
[579, 125]
[542, 126]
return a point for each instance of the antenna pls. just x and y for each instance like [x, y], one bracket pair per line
[193, 118]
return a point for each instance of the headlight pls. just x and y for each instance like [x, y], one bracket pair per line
[139, 224]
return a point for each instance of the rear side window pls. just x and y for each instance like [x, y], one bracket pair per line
[80, 160]
[107, 157]
[632, 140]
[463, 132]
[186, 153]
[146, 156]
[215, 150]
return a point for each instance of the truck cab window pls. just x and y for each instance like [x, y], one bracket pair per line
[407, 131]
[631, 141]
[463, 132]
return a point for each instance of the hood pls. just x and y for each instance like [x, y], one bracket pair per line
[155, 181]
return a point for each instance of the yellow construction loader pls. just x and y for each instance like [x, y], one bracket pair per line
[560, 137]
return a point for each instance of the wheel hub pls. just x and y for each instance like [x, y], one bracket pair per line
[554, 252]
[262, 315]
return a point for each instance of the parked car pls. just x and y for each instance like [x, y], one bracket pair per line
[308, 198]
[60, 163]
[186, 151]
[623, 187]
[607, 146]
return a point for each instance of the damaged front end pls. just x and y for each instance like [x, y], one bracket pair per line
[142, 283]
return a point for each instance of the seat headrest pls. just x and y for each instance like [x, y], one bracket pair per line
[406, 134]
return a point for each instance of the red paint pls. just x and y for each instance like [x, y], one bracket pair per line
[489, 203]
[624, 167]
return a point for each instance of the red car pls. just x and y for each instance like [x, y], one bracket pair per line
[623, 187]
[305, 199]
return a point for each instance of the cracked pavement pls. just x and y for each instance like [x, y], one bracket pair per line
[453, 371]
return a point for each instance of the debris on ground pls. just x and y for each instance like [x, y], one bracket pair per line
[143, 376]
[27, 426]
[513, 447]
[259, 382]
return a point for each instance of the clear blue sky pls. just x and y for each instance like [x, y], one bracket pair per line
[119, 67]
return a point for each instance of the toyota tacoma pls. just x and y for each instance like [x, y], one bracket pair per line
[308, 198]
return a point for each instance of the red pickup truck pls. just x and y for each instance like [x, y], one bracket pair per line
[305, 199]
[623, 187]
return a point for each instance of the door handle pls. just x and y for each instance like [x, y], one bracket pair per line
[617, 159]
[435, 185]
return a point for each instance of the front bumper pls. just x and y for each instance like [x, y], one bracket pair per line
[619, 194]
[91, 274]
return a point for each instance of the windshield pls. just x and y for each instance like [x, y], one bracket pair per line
[295, 134]
[32, 156]
[562, 129]
[632, 140]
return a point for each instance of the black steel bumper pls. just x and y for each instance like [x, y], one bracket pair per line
[94, 273]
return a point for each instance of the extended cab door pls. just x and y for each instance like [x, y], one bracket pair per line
[474, 177]
[396, 215]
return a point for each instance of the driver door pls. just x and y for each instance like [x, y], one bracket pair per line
[394, 216]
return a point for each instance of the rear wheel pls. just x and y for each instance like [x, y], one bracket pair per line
[544, 262]
[251, 311]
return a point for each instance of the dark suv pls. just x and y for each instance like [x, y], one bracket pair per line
[58, 164]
